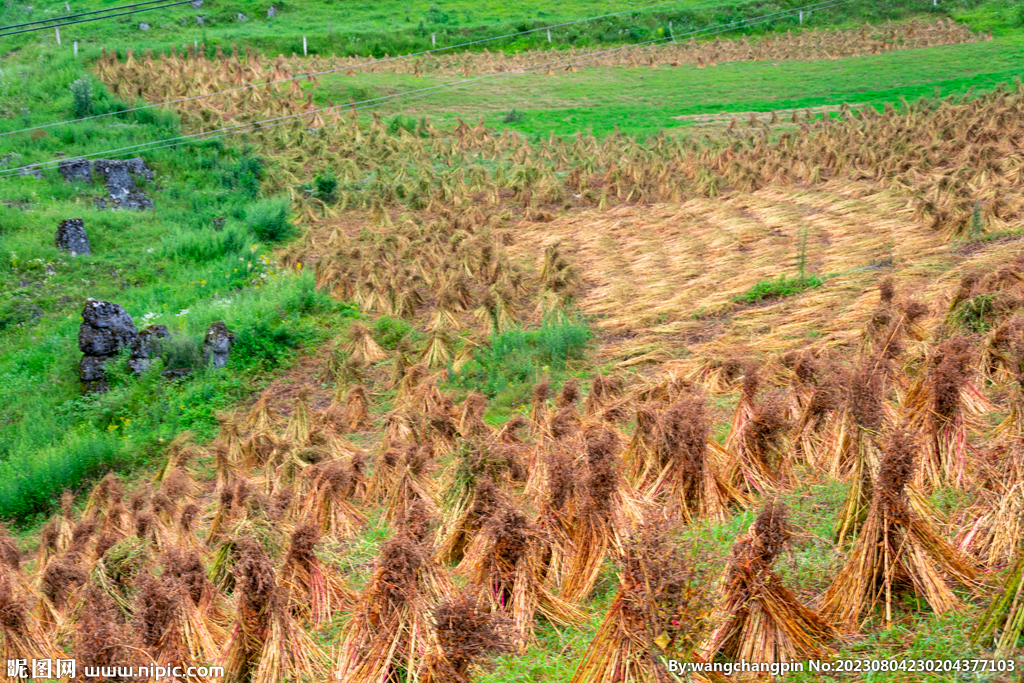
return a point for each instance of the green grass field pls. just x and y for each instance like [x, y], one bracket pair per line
[643, 101]
[399, 26]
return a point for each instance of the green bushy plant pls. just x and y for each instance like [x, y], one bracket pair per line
[268, 219]
[515, 359]
[202, 246]
[81, 97]
[262, 345]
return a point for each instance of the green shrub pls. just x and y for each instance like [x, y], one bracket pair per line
[400, 122]
[181, 352]
[778, 288]
[268, 219]
[244, 175]
[390, 332]
[31, 480]
[262, 345]
[515, 359]
[202, 246]
[975, 314]
[325, 185]
[81, 97]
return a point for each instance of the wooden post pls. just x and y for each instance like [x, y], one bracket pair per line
[57, 31]
[305, 53]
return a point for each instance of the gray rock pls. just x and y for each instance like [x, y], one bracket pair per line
[241, 17]
[71, 237]
[124, 193]
[196, 4]
[217, 344]
[147, 345]
[29, 172]
[200, 20]
[106, 327]
[75, 169]
[137, 167]
[272, 12]
[143, 26]
[90, 369]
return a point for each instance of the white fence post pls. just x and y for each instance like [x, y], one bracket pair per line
[801, 17]
[76, 48]
[671, 32]
[67, 6]
[304, 52]
[549, 35]
[433, 39]
[57, 31]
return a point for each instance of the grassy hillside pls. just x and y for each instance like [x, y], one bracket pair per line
[397, 26]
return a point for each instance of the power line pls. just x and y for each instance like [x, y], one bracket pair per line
[82, 21]
[423, 92]
[80, 14]
[347, 68]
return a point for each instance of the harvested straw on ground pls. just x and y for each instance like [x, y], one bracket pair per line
[762, 620]
[896, 549]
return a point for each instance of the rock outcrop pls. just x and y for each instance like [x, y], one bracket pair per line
[147, 345]
[72, 238]
[117, 175]
[217, 344]
[106, 328]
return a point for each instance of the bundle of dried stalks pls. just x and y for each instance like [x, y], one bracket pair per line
[466, 632]
[327, 499]
[506, 560]
[390, 632]
[761, 447]
[946, 406]
[679, 473]
[266, 645]
[313, 592]
[598, 515]
[1002, 625]
[763, 620]
[658, 612]
[896, 548]
[993, 528]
